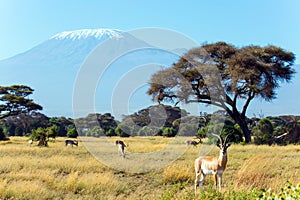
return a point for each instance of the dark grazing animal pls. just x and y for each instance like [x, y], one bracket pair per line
[71, 142]
[193, 142]
[121, 146]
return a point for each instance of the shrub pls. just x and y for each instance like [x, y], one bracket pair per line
[96, 131]
[288, 192]
[148, 131]
[2, 135]
[40, 135]
[52, 131]
[263, 132]
[223, 130]
[123, 130]
[72, 133]
[202, 132]
[187, 129]
[111, 132]
[169, 132]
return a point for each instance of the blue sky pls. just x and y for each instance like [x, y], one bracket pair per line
[26, 23]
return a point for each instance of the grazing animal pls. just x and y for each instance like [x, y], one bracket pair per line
[121, 146]
[30, 142]
[71, 142]
[206, 165]
[193, 142]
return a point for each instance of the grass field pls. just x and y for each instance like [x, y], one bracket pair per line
[60, 172]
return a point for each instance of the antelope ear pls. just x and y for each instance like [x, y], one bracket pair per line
[229, 144]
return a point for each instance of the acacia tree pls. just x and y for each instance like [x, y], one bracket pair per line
[14, 100]
[223, 75]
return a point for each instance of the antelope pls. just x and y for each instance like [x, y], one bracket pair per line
[206, 165]
[71, 142]
[30, 142]
[193, 143]
[121, 145]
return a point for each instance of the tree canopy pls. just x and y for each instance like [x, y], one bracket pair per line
[223, 75]
[14, 100]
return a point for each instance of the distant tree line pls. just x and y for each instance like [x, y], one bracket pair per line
[159, 120]
[38, 127]
[168, 121]
[19, 116]
[24, 124]
[277, 130]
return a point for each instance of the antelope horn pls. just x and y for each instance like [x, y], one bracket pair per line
[228, 136]
[219, 137]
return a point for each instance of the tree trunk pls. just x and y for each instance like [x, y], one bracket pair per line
[241, 121]
[43, 142]
[246, 131]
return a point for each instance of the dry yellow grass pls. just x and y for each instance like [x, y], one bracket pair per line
[59, 172]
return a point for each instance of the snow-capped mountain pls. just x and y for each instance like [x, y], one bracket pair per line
[100, 34]
[70, 46]
[51, 67]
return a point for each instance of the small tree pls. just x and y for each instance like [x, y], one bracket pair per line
[2, 135]
[169, 132]
[263, 132]
[96, 131]
[111, 132]
[63, 124]
[52, 131]
[187, 129]
[72, 133]
[14, 100]
[41, 136]
[123, 130]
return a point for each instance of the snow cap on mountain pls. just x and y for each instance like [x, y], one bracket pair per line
[85, 33]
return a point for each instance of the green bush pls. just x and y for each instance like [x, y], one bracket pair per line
[72, 133]
[2, 135]
[290, 192]
[188, 129]
[123, 130]
[148, 131]
[111, 132]
[40, 134]
[169, 132]
[263, 132]
[96, 131]
[52, 131]
[223, 130]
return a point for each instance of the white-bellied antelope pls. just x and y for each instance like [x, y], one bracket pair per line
[30, 142]
[71, 142]
[121, 146]
[206, 165]
[193, 142]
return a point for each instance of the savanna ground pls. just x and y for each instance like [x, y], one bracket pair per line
[60, 172]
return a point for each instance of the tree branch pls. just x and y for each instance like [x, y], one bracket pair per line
[216, 103]
[251, 95]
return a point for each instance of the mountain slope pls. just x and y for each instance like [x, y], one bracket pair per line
[51, 68]
[70, 47]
